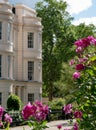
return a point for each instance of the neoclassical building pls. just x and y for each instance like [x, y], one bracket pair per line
[20, 53]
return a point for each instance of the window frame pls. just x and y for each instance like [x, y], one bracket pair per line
[30, 70]
[30, 38]
[31, 97]
[0, 30]
[9, 65]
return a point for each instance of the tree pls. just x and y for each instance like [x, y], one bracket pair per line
[57, 40]
[82, 30]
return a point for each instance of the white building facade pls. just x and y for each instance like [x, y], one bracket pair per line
[20, 53]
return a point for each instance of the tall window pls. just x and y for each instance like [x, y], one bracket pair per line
[9, 31]
[30, 39]
[9, 65]
[30, 97]
[39, 40]
[0, 66]
[0, 30]
[30, 70]
[0, 98]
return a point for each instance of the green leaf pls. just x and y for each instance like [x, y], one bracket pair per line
[93, 58]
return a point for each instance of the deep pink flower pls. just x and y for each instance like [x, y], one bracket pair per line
[40, 116]
[90, 38]
[80, 67]
[76, 75]
[79, 43]
[37, 110]
[68, 109]
[41, 113]
[93, 42]
[78, 114]
[76, 126]
[1, 123]
[82, 60]
[8, 119]
[86, 42]
[1, 111]
[45, 109]
[27, 111]
[79, 49]
[71, 62]
[59, 127]
[38, 103]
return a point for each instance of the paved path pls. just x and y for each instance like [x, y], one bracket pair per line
[52, 125]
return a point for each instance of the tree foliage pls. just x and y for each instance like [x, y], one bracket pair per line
[82, 30]
[57, 40]
[58, 37]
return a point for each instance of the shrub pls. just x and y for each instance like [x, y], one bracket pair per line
[13, 102]
[57, 103]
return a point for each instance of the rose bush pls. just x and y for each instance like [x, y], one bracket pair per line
[36, 113]
[85, 80]
[5, 119]
[75, 114]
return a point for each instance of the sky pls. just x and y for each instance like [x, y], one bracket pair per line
[81, 10]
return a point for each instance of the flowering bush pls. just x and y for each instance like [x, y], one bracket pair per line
[77, 115]
[85, 79]
[36, 113]
[5, 120]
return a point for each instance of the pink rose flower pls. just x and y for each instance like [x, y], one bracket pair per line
[1, 111]
[38, 111]
[79, 43]
[1, 124]
[71, 62]
[76, 126]
[76, 75]
[80, 67]
[82, 60]
[93, 42]
[68, 109]
[59, 127]
[27, 111]
[8, 119]
[86, 42]
[79, 49]
[78, 114]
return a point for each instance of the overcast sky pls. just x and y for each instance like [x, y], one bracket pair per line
[81, 10]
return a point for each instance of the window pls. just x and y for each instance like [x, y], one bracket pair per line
[9, 32]
[30, 39]
[30, 97]
[39, 40]
[0, 66]
[0, 98]
[30, 70]
[9, 65]
[0, 30]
